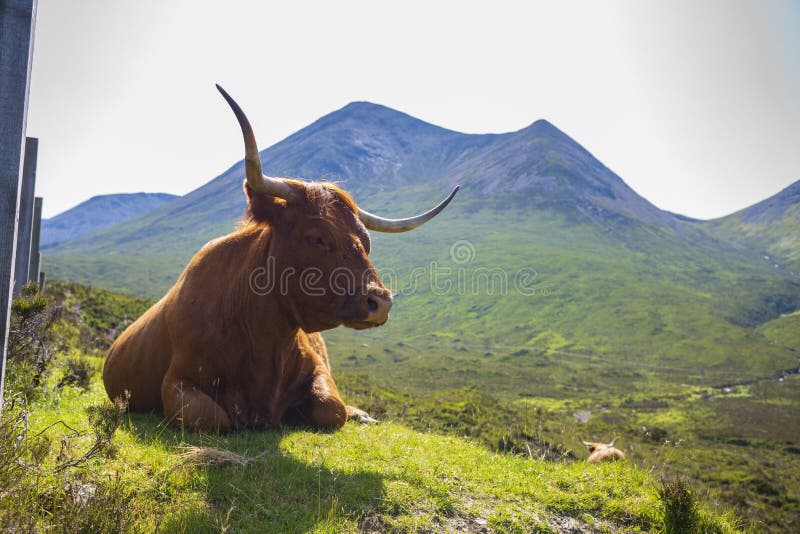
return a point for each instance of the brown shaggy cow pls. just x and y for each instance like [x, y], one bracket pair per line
[600, 452]
[235, 342]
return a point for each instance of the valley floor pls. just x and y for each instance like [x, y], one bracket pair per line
[735, 438]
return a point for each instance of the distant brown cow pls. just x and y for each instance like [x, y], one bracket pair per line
[235, 342]
[601, 452]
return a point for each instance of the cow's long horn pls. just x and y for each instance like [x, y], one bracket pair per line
[252, 162]
[379, 224]
[612, 442]
[587, 443]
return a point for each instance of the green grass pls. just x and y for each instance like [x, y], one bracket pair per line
[738, 448]
[385, 477]
[783, 331]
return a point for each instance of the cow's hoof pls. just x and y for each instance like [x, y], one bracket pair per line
[365, 419]
[360, 416]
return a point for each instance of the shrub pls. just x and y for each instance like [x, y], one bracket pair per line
[41, 493]
[679, 506]
[29, 355]
[79, 372]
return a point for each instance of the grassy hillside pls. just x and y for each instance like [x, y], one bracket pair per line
[618, 320]
[374, 478]
[772, 225]
[734, 443]
[783, 331]
[386, 477]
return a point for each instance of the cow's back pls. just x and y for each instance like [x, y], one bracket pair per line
[138, 361]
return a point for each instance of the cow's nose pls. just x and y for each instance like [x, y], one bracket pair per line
[378, 307]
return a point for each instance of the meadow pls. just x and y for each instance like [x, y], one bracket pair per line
[121, 472]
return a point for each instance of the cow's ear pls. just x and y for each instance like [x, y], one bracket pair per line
[264, 208]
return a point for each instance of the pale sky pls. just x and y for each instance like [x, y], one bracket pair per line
[696, 105]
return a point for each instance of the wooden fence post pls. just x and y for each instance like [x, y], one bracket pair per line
[25, 223]
[36, 257]
[17, 19]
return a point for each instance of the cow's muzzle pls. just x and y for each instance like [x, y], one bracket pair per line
[378, 306]
[368, 310]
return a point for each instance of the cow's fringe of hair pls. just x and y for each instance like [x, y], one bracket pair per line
[323, 193]
[320, 194]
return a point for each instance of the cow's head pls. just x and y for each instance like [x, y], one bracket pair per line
[318, 257]
[599, 452]
[596, 446]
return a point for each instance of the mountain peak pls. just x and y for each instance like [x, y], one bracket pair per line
[359, 114]
[545, 128]
[363, 109]
[542, 124]
[365, 105]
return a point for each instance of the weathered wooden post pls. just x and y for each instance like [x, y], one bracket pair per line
[25, 219]
[17, 18]
[36, 257]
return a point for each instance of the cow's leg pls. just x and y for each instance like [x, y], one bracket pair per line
[324, 407]
[186, 404]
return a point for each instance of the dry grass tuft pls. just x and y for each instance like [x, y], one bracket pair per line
[205, 456]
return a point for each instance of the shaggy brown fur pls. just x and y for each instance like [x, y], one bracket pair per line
[220, 352]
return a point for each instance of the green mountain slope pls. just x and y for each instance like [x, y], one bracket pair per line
[784, 331]
[611, 276]
[772, 225]
[97, 213]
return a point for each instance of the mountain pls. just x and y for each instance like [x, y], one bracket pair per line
[772, 225]
[97, 213]
[379, 154]
[372, 148]
[623, 278]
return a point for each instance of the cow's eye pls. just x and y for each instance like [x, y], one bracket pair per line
[317, 241]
